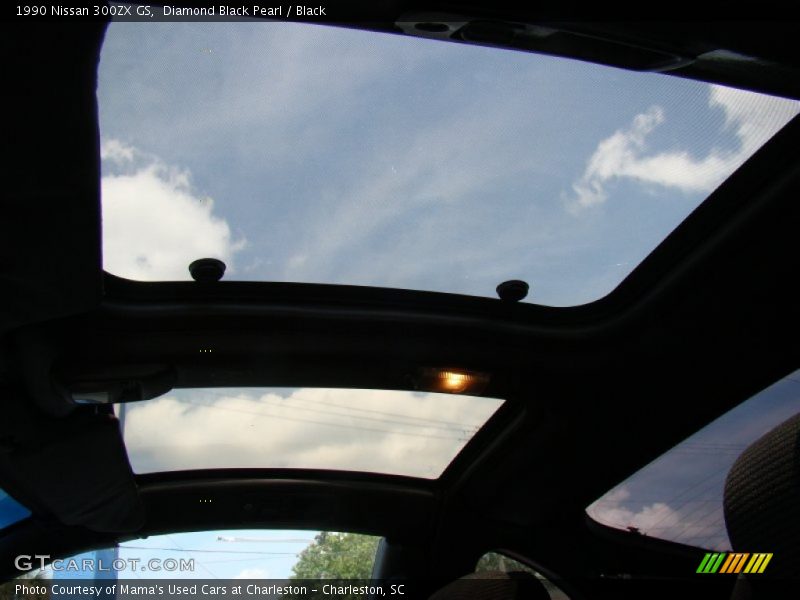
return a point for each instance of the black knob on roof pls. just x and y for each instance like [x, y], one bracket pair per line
[513, 290]
[207, 269]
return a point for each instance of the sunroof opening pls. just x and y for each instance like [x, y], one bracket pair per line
[299, 152]
[679, 496]
[415, 434]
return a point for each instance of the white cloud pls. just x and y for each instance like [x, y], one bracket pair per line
[154, 223]
[610, 511]
[116, 152]
[690, 525]
[361, 430]
[753, 118]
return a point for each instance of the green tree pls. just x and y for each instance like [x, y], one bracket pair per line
[336, 556]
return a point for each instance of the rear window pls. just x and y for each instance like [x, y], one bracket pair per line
[678, 497]
[250, 554]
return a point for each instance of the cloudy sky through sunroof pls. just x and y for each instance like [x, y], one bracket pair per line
[306, 153]
[415, 434]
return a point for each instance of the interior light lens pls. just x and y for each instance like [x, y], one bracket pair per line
[453, 381]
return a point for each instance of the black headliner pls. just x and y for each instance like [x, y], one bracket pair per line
[599, 390]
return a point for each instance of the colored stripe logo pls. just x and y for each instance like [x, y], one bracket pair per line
[734, 562]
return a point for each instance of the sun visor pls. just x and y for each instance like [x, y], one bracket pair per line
[73, 469]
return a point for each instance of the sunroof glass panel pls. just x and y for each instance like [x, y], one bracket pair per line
[415, 434]
[306, 153]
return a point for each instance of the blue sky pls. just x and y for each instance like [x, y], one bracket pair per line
[223, 554]
[306, 153]
[242, 554]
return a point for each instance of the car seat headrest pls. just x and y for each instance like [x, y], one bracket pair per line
[762, 498]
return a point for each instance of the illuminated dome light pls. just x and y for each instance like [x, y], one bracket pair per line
[452, 381]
